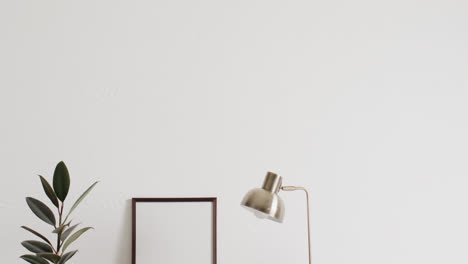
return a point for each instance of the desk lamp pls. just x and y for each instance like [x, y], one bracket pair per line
[267, 204]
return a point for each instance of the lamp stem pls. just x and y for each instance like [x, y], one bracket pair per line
[294, 188]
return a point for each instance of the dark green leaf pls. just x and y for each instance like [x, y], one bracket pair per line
[67, 232]
[67, 256]
[36, 246]
[61, 181]
[81, 199]
[37, 234]
[49, 191]
[50, 256]
[74, 237]
[41, 210]
[34, 259]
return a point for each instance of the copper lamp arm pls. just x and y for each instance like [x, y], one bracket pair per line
[296, 188]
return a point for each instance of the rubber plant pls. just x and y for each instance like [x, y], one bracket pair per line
[44, 251]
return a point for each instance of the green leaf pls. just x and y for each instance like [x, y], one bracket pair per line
[59, 229]
[50, 256]
[81, 199]
[41, 210]
[67, 232]
[61, 181]
[37, 234]
[36, 246]
[34, 259]
[49, 191]
[74, 237]
[67, 256]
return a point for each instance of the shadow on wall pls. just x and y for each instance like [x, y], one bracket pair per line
[124, 255]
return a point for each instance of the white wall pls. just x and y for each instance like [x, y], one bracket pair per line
[364, 102]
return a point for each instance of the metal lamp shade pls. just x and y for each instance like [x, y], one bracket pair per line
[265, 202]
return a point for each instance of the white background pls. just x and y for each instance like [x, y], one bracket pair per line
[363, 102]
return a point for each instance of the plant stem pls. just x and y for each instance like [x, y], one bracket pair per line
[59, 235]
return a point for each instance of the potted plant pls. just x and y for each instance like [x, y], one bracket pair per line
[45, 251]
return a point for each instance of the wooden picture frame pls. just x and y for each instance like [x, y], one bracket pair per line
[143, 205]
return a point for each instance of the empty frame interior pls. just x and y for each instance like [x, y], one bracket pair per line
[174, 231]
